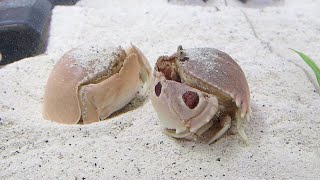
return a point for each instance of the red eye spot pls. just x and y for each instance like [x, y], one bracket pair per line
[191, 99]
[157, 89]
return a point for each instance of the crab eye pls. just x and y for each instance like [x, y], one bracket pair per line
[191, 99]
[157, 89]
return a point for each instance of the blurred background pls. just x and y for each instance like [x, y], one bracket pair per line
[24, 24]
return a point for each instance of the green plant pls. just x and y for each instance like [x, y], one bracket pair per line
[311, 63]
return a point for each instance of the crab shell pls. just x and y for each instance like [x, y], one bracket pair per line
[193, 87]
[89, 83]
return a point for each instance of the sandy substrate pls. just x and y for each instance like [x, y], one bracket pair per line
[284, 131]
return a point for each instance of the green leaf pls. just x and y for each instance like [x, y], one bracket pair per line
[311, 63]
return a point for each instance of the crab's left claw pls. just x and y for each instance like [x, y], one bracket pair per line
[145, 70]
[101, 99]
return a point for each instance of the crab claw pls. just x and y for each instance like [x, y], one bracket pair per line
[182, 110]
[101, 99]
[145, 68]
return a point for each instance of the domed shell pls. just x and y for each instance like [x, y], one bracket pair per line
[93, 67]
[214, 72]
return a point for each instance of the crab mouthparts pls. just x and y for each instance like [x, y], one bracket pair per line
[166, 65]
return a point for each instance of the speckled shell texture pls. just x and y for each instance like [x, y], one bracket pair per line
[212, 70]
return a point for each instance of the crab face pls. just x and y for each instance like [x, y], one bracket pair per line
[90, 83]
[186, 99]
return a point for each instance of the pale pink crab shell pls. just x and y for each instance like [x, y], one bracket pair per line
[209, 71]
[112, 75]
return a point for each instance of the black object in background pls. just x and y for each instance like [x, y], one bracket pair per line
[23, 28]
[63, 2]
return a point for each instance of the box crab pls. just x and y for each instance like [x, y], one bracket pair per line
[194, 87]
[89, 83]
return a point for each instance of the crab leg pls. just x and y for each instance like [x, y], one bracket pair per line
[226, 124]
[204, 128]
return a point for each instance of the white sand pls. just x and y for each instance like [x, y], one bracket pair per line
[284, 132]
